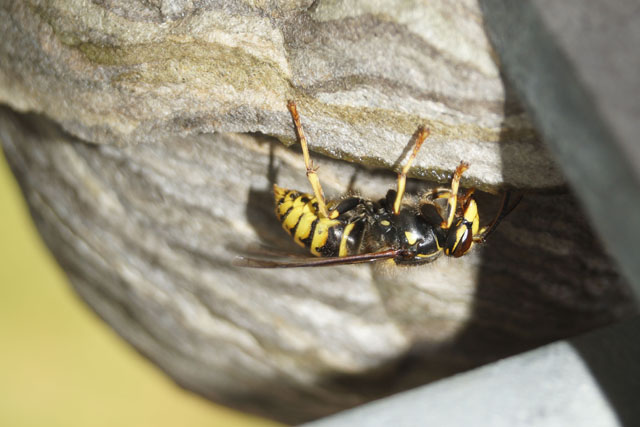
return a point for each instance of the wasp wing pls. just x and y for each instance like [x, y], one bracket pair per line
[316, 262]
[263, 251]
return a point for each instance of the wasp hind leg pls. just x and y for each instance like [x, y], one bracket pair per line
[312, 174]
[423, 133]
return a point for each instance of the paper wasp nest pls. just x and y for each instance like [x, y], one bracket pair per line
[146, 143]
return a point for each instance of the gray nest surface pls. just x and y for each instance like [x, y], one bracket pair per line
[146, 137]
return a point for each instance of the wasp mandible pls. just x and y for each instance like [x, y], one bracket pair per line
[354, 230]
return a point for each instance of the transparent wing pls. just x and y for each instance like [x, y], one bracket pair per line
[315, 262]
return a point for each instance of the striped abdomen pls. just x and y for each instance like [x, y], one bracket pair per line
[298, 213]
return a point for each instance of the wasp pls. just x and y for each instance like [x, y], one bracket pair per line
[355, 230]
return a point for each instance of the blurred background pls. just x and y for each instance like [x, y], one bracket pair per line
[59, 364]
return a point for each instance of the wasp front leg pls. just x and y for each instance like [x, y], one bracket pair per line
[452, 200]
[461, 219]
[447, 198]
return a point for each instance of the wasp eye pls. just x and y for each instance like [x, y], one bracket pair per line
[459, 239]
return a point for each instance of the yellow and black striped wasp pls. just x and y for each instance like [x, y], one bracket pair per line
[355, 230]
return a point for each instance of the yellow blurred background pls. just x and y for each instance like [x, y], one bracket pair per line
[59, 364]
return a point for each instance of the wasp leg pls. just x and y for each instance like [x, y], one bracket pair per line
[402, 176]
[452, 201]
[464, 199]
[312, 175]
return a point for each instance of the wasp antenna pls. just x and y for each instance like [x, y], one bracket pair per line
[504, 210]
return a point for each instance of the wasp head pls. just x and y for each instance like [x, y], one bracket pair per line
[460, 236]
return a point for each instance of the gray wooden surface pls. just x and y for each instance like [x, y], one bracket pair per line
[558, 385]
[146, 140]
